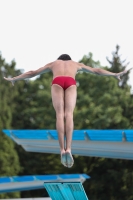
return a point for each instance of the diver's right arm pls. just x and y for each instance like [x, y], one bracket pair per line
[102, 72]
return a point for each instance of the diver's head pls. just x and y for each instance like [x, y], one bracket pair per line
[64, 57]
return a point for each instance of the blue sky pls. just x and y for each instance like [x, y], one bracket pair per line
[35, 32]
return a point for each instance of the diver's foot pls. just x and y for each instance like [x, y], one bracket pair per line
[69, 159]
[63, 159]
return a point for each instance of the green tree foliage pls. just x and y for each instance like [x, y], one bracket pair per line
[101, 104]
[34, 104]
[9, 162]
[88, 60]
[117, 65]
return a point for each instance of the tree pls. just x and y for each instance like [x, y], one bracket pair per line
[9, 161]
[88, 60]
[34, 104]
[117, 66]
[101, 104]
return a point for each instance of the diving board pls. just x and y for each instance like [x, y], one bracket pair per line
[98, 143]
[66, 191]
[23, 183]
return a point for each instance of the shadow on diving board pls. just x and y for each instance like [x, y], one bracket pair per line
[66, 191]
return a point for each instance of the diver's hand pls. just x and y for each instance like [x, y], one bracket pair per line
[118, 75]
[10, 79]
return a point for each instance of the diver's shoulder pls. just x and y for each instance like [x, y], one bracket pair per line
[77, 65]
[65, 62]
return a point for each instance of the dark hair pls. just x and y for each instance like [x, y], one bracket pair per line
[64, 57]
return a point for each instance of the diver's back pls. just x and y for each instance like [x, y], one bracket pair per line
[64, 68]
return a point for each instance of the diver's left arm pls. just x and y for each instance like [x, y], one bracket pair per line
[30, 74]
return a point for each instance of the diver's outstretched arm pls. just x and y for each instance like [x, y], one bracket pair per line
[30, 74]
[102, 72]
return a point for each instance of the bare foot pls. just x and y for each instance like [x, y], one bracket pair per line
[63, 158]
[69, 159]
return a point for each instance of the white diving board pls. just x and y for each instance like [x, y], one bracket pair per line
[23, 183]
[98, 143]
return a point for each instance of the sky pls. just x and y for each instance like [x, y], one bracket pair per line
[36, 32]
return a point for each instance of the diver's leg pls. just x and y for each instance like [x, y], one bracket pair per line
[57, 93]
[70, 102]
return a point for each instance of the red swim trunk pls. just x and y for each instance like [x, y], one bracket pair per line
[64, 81]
